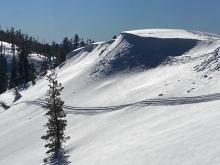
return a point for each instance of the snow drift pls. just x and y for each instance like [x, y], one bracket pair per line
[165, 115]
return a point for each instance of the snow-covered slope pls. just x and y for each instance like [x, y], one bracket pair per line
[124, 111]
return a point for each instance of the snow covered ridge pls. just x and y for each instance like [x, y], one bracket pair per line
[146, 49]
[174, 33]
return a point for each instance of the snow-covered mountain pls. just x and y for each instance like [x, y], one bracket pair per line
[149, 97]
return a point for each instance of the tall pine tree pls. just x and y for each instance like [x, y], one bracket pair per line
[3, 71]
[44, 66]
[33, 74]
[13, 82]
[23, 64]
[76, 42]
[26, 62]
[56, 125]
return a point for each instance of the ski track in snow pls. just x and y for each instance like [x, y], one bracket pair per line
[172, 101]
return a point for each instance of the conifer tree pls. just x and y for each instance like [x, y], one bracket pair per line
[76, 42]
[26, 70]
[3, 71]
[66, 48]
[33, 74]
[82, 43]
[26, 62]
[44, 66]
[56, 125]
[21, 57]
[13, 82]
[23, 64]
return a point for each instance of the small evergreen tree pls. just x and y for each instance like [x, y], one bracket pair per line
[56, 123]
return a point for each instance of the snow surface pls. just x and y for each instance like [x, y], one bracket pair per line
[166, 115]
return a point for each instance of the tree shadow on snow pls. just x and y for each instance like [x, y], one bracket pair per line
[51, 161]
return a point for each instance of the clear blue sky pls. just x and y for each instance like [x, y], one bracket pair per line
[100, 19]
